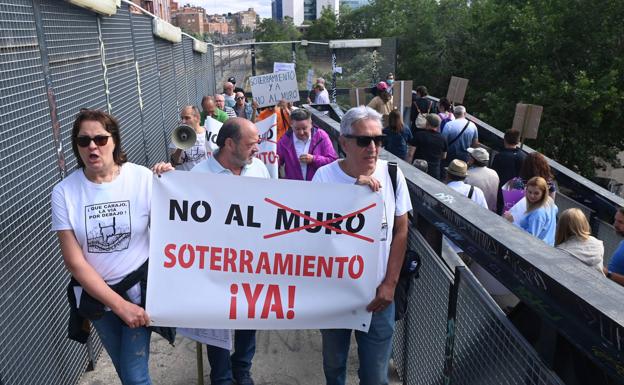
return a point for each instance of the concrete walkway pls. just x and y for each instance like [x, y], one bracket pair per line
[283, 357]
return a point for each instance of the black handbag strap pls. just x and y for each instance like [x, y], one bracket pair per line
[460, 133]
[470, 192]
[392, 170]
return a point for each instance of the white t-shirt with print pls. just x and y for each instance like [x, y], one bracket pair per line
[110, 220]
[191, 156]
[332, 173]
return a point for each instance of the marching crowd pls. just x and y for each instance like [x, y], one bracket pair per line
[109, 268]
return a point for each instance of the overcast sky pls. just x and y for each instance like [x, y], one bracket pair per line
[263, 7]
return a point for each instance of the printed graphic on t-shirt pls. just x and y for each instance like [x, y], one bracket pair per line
[108, 226]
[195, 154]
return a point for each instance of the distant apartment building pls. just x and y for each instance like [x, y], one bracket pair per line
[160, 8]
[294, 10]
[190, 19]
[301, 10]
[277, 10]
[221, 28]
[354, 4]
[246, 19]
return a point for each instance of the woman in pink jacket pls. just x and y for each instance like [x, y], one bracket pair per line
[304, 148]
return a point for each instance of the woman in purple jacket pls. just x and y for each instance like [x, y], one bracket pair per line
[304, 148]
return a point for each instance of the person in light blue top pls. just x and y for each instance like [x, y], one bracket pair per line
[541, 215]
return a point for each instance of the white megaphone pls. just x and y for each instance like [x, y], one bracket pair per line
[183, 137]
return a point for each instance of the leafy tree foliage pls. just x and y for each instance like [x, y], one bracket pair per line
[566, 55]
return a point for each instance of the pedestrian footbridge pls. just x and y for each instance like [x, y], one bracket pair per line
[56, 58]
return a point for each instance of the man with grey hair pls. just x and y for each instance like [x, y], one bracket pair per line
[430, 145]
[220, 102]
[460, 134]
[361, 138]
[186, 159]
[228, 94]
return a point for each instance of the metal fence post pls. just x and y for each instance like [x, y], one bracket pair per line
[449, 343]
[333, 66]
[253, 60]
[51, 96]
[294, 53]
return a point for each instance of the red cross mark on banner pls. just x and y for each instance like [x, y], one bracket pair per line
[315, 222]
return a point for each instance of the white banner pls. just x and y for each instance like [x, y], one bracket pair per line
[280, 67]
[269, 89]
[231, 252]
[267, 129]
[212, 127]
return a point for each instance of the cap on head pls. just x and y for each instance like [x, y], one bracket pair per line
[232, 80]
[458, 168]
[382, 86]
[479, 154]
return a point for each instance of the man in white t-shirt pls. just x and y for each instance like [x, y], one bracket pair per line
[361, 138]
[238, 145]
[187, 159]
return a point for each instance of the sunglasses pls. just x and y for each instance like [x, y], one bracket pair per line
[364, 141]
[85, 141]
[238, 98]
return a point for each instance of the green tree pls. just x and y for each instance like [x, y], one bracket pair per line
[323, 28]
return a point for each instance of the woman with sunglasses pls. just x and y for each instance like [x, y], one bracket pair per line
[100, 213]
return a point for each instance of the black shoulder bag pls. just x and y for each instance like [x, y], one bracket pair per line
[411, 263]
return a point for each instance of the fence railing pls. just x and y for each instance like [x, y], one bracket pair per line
[55, 59]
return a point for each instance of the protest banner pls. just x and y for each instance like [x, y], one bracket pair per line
[267, 129]
[402, 94]
[457, 89]
[281, 67]
[231, 252]
[269, 89]
[212, 127]
[527, 120]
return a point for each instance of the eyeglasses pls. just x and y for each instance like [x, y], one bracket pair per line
[238, 98]
[85, 141]
[364, 141]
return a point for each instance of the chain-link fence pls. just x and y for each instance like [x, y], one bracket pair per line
[352, 67]
[486, 347]
[56, 58]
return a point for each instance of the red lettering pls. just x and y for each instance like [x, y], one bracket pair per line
[360, 262]
[233, 291]
[298, 266]
[202, 251]
[191, 253]
[325, 266]
[229, 260]
[245, 261]
[341, 261]
[263, 263]
[290, 314]
[308, 266]
[252, 298]
[283, 265]
[215, 258]
[169, 254]
[273, 302]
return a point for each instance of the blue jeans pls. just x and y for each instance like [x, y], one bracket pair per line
[128, 348]
[374, 350]
[222, 366]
